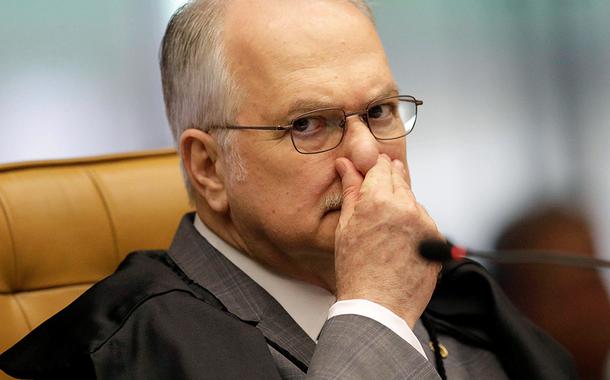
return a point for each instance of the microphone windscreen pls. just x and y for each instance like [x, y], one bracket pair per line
[435, 250]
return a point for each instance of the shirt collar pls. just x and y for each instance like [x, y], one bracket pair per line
[307, 304]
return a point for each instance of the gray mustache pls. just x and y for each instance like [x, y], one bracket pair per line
[333, 201]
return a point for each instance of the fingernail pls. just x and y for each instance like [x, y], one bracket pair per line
[397, 164]
[385, 156]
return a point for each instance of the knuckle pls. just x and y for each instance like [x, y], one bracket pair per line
[408, 209]
[381, 202]
[351, 191]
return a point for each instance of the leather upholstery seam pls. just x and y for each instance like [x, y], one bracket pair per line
[16, 280]
[96, 183]
[25, 316]
[91, 160]
[52, 287]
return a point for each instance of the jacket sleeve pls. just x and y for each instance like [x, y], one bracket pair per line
[356, 347]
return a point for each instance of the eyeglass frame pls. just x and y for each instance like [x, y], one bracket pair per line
[362, 115]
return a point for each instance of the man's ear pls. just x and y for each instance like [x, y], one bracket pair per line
[200, 153]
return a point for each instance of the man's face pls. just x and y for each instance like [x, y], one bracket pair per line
[290, 57]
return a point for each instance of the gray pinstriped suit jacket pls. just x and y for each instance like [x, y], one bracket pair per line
[349, 347]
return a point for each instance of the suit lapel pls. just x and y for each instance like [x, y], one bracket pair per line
[244, 298]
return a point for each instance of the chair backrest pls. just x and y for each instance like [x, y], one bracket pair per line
[66, 224]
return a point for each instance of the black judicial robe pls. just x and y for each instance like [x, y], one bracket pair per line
[79, 341]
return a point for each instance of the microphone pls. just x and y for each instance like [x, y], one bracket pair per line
[437, 250]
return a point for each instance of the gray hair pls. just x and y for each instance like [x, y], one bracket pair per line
[198, 89]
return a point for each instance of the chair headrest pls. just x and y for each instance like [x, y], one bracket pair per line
[71, 221]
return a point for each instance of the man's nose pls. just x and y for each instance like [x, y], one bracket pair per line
[359, 145]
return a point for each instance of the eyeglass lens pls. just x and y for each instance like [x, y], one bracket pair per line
[320, 131]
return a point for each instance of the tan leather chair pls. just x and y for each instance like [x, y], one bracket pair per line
[66, 224]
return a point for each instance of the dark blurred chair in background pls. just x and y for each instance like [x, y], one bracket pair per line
[569, 303]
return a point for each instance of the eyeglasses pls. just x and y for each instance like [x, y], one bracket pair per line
[322, 130]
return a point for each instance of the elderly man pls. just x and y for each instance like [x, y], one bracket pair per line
[302, 258]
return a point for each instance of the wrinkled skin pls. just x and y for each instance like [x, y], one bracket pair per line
[278, 213]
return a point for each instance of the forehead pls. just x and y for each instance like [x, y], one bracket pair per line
[282, 51]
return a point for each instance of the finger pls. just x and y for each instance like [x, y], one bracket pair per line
[379, 177]
[400, 180]
[351, 182]
[406, 172]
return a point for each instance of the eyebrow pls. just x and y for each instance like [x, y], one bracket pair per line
[304, 105]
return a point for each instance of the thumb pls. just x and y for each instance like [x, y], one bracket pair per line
[351, 180]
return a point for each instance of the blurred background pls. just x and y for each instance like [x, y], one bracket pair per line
[513, 135]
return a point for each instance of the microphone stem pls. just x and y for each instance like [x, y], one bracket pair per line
[542, 257]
